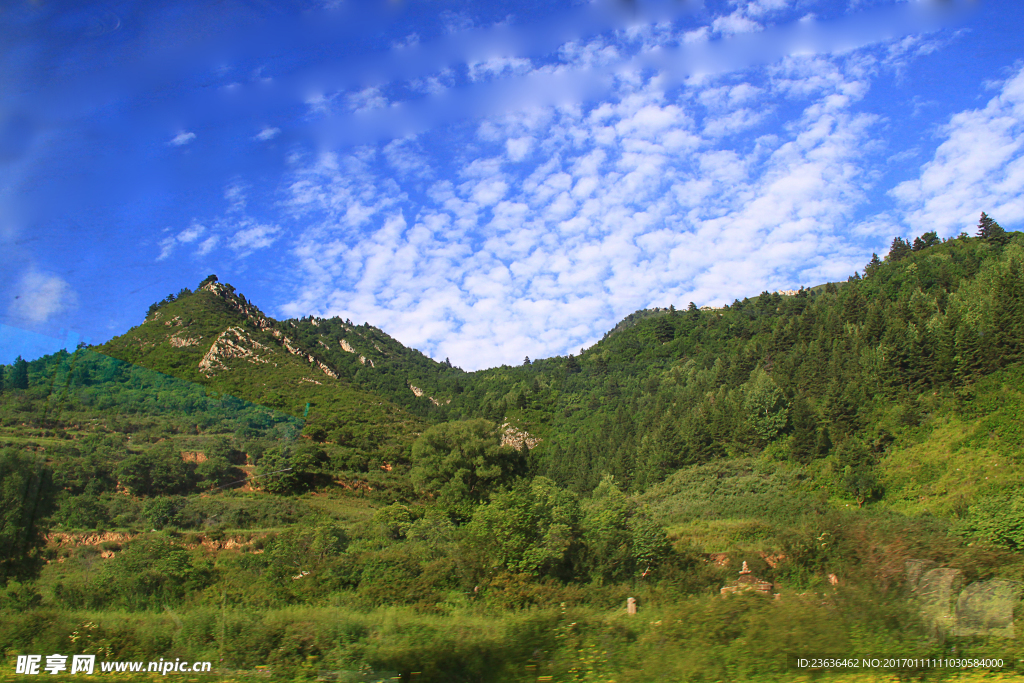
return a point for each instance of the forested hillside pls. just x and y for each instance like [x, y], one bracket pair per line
[312, 496]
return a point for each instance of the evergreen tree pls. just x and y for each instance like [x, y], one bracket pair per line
[19, 374]
[526, 361]
[899, 250]
[990, 231]
[572, 366]
[929, 239]
[663, 330]
[805, 431]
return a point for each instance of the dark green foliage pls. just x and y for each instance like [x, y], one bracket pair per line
[157, 471]
[991, 232]
[293, 469]
[26, 499]
[19, 374]
[899, 250]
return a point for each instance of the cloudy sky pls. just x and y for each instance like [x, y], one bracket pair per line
[486, 180]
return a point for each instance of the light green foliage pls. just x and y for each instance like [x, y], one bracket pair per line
[306, 547]
[997, 519]
[621, 541]
[765, 405]
[530, 529]
[462, 462]
[152, 571]
[392, 522]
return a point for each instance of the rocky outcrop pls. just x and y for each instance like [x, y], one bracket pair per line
[179, 341]
[231, 343]
[253, 314]
[516, 438]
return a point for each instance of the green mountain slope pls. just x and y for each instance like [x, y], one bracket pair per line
[214, 337]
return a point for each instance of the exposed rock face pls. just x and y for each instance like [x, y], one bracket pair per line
[60, 539]
[345, 346]
[179, 341]
[254, 314]
[416, 390]
[231, 343]
[193, 456]
[287, 343]
[510, 436]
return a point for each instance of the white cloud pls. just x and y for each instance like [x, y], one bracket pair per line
[186, 236]
[518, 148]
[735, 23]
[634, 202]
[39, 297]
[268, 133]
[254, 237]
[979, 166]
[365, 100]
[207, 245]
[182, 138]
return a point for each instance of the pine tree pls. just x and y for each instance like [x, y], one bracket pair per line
[19, 375]
[805, 431]
[991, 232]
[872, 265]
[572, 366]
[899, 250]
[526, 361]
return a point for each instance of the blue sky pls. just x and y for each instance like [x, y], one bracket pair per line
[486, 180]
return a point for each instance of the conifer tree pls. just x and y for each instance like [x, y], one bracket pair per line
[872, 265]
[19, 374]
[990, 231]
[899, 250]
[572, 366]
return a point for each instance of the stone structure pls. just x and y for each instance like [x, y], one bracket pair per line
[747, 582]
[630, 605]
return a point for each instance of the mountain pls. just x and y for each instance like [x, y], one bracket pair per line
[828, 377]
[214, 337]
